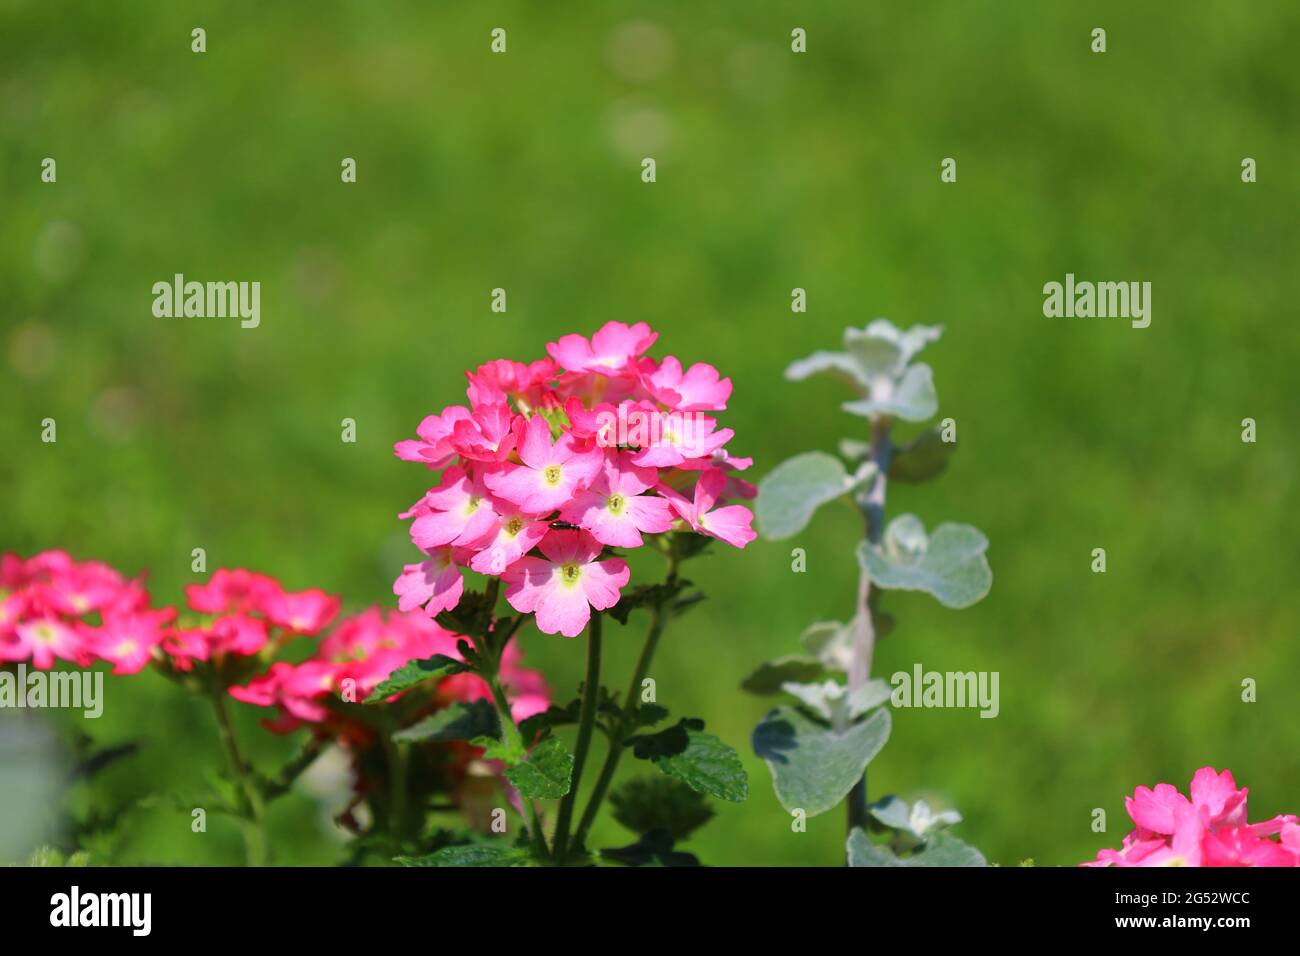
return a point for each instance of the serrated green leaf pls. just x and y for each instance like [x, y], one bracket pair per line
[508, 751]
[768, 677]
[461, 721]
[646, 804]
[796, 488]
[814, 767]
[647, 715]
[938, 850]
[709, 766]
[413, 672]
[471, 616]
[476, 854]
[924, 457]
[666, 742]
[949, 564]
[653, 849]
[553, 716]
[646, 595]
[545, 774]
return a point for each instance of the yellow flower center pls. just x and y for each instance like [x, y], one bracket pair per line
[616, 504]
[570, 573]
[552, 474]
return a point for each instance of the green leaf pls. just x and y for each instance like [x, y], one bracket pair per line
[893, 812]
[472, 615]
[797, 487]
[913, 398]
[830, 642]
[647, 715]
[666, 742]
[462, 721]
[833, 702]
[924, 457]
[653, 849]
[413, 672]
[660, 803]
[475, 854]
[684, 545]
[882, 348]
[553, 716]
[841, 364]
[508, 751]
[646, 595]
[852, 450]
[938, 850]
[949, 564]
[546, 772]
[814, 767]
[701, 760]
[768, 677]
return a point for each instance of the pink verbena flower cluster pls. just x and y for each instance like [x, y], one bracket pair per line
[1210, 829]
[242, 612]
[364, 650]
[54, 608]
[558, 461]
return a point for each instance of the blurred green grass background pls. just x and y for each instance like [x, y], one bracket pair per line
[775, 170]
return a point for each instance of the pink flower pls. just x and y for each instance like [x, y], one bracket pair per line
[1239, 846]
[44, 639]
[232, 590]
[303, 612]
[1218, 797]
[615, 510]
[550, 473]
[502, 381]
[698, 389]
[435, 584]
[82, 588]
[1210, 829]
[514, 536]
[127, 639]
[563, 587]
[434, 447]
[238, 634]
[730, 524]
[612, 349]
[677, 437]
[486, 436]
[1154, 810]
[459, 511]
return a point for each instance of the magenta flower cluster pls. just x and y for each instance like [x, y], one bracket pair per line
[1209, 829]
[556, 463]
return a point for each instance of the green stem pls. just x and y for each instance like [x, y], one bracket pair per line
[872, 503]
[395, 758]
[628, 724]
[516, 743]
[251, 812]
[586, 723]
